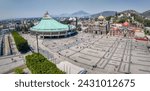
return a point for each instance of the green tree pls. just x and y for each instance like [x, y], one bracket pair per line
[108, 18]
[147, 23]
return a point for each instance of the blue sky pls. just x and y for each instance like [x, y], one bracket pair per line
[34, 8]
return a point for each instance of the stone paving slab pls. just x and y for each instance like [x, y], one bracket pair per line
[119, 51]
[121, 46]
[127, 52]
[141, 60]
[116, 58]
[108, 55]
[102, 63]
[115, 63]
[124, 67]
[139, 69]
[67, 52]
[92, 52]
[111, 68]
[100, 48]
[76, 48]
[139, 53]
[103, 44]
[85, 59]
[117, 55]
[126, 58]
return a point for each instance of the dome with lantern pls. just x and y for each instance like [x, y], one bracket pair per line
[101, 17]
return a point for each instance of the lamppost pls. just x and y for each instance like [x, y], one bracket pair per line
[37, 43]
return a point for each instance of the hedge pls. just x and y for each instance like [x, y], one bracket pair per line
[19, 71]
[21, 43]
[38, 64]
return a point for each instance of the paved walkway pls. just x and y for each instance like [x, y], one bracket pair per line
[7, 63]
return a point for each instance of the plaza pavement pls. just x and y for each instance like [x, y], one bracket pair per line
[98, 54]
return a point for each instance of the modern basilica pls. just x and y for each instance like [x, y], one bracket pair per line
[48, 27]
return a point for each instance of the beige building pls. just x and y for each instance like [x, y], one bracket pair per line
[97, 26]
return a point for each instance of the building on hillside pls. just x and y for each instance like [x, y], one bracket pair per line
[99, 26]
[122, 30]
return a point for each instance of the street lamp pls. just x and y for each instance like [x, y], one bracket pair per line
[37, 43]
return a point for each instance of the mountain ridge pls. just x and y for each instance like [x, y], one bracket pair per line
[82, 13]
[146, 13]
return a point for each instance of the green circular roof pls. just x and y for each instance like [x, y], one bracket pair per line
[48, 24]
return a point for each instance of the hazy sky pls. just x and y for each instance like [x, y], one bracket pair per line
[34, 8]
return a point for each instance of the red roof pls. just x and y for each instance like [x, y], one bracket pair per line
[126, 24]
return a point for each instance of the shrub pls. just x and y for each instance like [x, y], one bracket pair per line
[21, 43]
[19, 71]
[38, 64]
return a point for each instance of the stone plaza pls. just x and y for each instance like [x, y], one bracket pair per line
[99, 54]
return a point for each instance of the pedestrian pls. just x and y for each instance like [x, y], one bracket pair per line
[12, 59]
